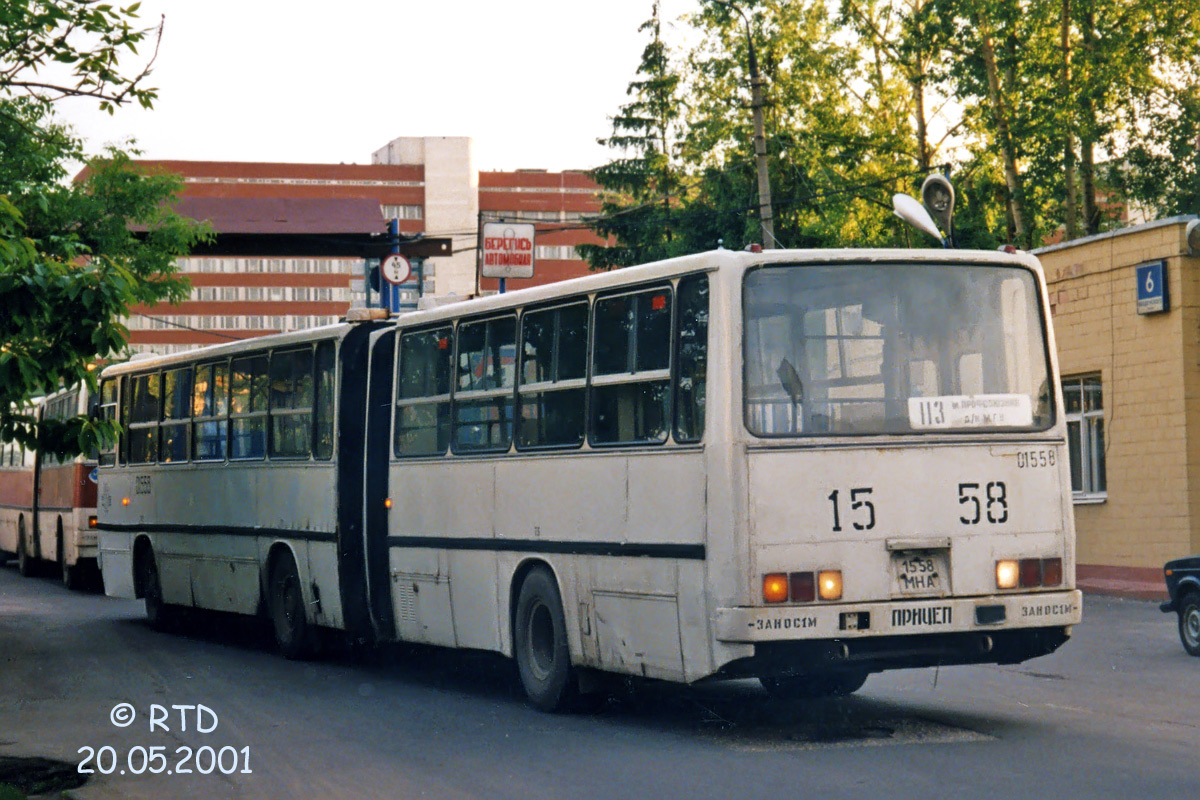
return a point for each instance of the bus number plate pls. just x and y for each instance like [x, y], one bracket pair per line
[922, 572]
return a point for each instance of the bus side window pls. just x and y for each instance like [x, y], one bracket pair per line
[631, 376]
[176, 424]
[483, 392]
[553, 377]
[210, 409]
[325, 376]
[248, 407]
[291, 381]
[144, 408]
[691, 370]
[108, 412]
[423, 393]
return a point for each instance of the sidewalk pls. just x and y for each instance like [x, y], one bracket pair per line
[1142, 583]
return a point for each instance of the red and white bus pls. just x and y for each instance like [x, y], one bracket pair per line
[47, 504]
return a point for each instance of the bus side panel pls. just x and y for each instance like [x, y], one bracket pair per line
[16, 499]
[651, 504]
[116, 563]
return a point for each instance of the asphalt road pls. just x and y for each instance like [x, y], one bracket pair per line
[1113, 714]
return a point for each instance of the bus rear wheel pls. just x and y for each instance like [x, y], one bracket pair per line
[832, 684]
[70, 572]
[25, 563]
[540, 642]
[297, 639]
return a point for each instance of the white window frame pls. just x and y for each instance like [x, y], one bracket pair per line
[1093, 463]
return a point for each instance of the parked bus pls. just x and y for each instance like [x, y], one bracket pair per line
[800, 466]
[49, 503]
[16, 499]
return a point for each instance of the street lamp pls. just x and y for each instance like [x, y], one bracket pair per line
[938, 196]
[765, 214]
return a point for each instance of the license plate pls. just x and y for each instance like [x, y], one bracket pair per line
[920, 573]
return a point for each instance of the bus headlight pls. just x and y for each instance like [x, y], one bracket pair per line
[829, 584]
[1007, 574]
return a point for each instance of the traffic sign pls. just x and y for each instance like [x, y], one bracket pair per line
[395, 269]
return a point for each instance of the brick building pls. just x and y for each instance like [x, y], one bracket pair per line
[1131, 383]
[293, 240]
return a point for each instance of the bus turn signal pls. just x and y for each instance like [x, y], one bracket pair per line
[775, 587]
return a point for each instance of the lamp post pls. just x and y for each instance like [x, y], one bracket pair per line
[765, 213]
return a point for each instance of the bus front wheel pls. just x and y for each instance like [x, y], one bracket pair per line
[834, 684]
[297, 639]
[540, 642]
[159, 614]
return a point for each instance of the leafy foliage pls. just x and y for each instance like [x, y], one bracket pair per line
[643, 180]
[1053, 115]
[74, 256]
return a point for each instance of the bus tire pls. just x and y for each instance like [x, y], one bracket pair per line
[832, 684]
[25, 563]
[1189, 623]
[297, 639]
[540, 644]
[70, 573]
[161, 615]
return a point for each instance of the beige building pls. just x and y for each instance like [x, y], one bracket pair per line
[1129, 352]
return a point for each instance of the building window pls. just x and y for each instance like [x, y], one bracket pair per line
[1084, 401]
[402, 212]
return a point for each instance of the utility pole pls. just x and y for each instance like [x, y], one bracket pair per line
[765, 213]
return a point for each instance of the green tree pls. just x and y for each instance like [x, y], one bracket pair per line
[838, 127]
[642, 185]
[74, 256]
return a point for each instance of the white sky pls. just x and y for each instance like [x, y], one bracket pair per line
[532, 82]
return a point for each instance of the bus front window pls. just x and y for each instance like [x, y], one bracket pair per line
[877, 349]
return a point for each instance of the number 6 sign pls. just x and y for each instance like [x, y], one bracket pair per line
[1152, 288]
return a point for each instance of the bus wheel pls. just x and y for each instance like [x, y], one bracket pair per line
[157, 611]
[1189, 623]
[296, 638]
[25, 564]
[540, 641]
[833, 684]
[70, 574]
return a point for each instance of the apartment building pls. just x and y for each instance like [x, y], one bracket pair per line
[296, 243]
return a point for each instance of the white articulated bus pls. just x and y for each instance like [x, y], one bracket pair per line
[800, 466]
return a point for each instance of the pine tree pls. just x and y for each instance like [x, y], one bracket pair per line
[642, 185]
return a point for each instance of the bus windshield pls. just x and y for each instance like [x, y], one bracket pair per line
[897, 348]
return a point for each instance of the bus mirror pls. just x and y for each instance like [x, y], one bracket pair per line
[94, 407]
